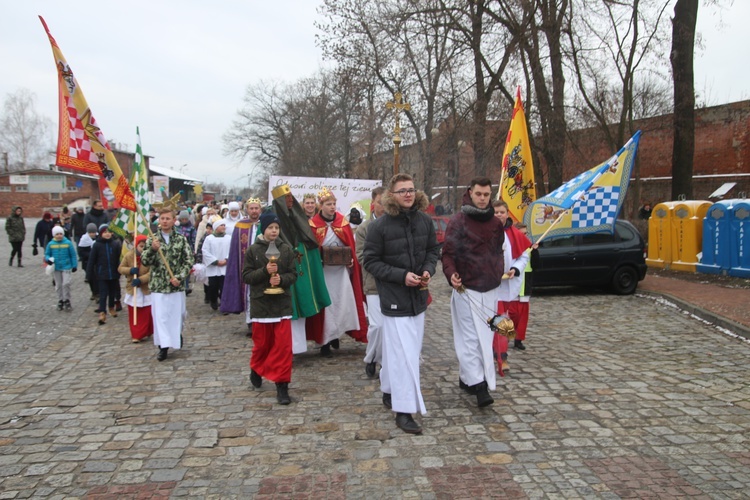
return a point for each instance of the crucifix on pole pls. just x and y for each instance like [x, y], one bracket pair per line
[397, 105]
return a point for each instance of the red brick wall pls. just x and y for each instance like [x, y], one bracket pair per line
[35, 204]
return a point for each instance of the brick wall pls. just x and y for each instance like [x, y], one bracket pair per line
[35, 204]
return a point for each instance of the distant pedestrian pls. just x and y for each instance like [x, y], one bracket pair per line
[96, 214]
[77, 226]
[84, 251]
[16, 229]
[43, 232]
[60, 253]
[103, 264]
[215, 256]
[271, 313]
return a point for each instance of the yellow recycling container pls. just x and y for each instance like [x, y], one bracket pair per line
[687, 233]
[660, 235]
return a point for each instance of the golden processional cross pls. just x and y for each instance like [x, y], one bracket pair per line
[397, 105]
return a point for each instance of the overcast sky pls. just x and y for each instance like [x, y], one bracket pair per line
[178, 70]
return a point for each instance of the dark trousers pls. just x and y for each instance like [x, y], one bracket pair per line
[108, 289]
[17, 250]
[215, 285]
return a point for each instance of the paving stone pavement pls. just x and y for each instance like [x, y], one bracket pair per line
[616, 397]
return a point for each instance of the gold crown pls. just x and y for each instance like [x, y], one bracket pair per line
[309, 195]
[170, 204]
[253, 200]
[280, 191]
[324, 195]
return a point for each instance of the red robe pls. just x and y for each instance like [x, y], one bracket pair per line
[341, 228]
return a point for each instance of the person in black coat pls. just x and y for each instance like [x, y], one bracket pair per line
[43, 232]
[77, 226]
[96, 215]
[104, 261]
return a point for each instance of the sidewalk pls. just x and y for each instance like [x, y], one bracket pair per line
[722, 306]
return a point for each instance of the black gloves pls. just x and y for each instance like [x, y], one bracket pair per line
[136, 282]
[74, 269]
[134, 270]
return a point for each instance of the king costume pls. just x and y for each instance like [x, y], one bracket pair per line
[235, 297]
[344, 283]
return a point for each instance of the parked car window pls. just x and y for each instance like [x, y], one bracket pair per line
[597, 238]
[565, 241]
[624, 232]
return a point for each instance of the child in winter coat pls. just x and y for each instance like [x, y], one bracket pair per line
[60, 253]
[271, 312]
[137, 294]
[103, 266]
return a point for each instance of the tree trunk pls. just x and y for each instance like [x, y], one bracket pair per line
[683, 41]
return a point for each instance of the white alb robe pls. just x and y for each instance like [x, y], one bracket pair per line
[511, 288]
[399, 375]
[374, 349]
[472, 336]
[168, 311]
[214, 250]
[341, 316]
[299, 336]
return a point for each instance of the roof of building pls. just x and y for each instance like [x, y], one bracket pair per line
[45, 171]
[172, 174]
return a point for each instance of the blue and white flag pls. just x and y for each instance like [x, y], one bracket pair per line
[588, 203]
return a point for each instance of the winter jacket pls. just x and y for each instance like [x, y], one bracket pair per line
[473, 247]
[144, 273]
[64, 254]
[188, 231]
[399, 242]
[368, 280]
[180, 257]
[97, 217]
[15, 227]
[77, 227]
[104, 259]
[43, 232]
[254, 273]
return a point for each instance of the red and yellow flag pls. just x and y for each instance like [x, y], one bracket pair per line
[80, 142]
[517, 185]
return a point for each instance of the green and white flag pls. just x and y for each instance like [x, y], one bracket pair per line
[123, 222]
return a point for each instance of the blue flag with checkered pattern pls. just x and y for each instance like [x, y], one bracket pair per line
[126, 221]
[588, 203]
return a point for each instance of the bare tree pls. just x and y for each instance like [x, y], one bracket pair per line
[23, 132]
[681, 57]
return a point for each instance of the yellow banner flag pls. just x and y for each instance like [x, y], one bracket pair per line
[80, 143]
[517, 187]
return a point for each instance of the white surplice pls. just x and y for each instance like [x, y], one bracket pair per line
[399, 376]
[472, 336]
[299, 336]
[168, 311]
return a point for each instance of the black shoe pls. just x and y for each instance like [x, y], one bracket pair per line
[519, 345]
[10, 262]
[214, 305]
[249, 333]
[68, 307]
[282, 393]
[255, 379]
[19, 262]
[483, 395]
[162, 354]
[60, 305]
[206, 301]
[325, 351]
[470, 389]
[118, 306]
[188, 291]
[182, 341]
[370, 369]
[335, 343]
[406, 423]
[387, 401]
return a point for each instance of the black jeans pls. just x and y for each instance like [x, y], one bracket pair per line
[215, 284]
[17, 250]
[108, 289]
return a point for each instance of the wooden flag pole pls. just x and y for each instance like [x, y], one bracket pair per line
[161, 254]
[135, 264]
[502, 178]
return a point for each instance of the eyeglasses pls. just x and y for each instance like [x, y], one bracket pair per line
[402, 192]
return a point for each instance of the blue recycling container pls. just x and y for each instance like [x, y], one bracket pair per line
[716, 253]
[740, 239]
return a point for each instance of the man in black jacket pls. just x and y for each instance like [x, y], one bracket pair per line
[401, 252]
[96, 215]
[77, 227]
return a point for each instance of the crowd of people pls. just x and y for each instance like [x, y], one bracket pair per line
[303, 274]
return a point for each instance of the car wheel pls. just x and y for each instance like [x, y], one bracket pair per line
[625, 281]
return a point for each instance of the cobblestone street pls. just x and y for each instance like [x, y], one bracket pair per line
[615, 397]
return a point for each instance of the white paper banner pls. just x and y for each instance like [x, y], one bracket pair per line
[347, 191]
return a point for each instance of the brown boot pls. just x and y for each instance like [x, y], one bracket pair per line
[113, 312]
[102, 318]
